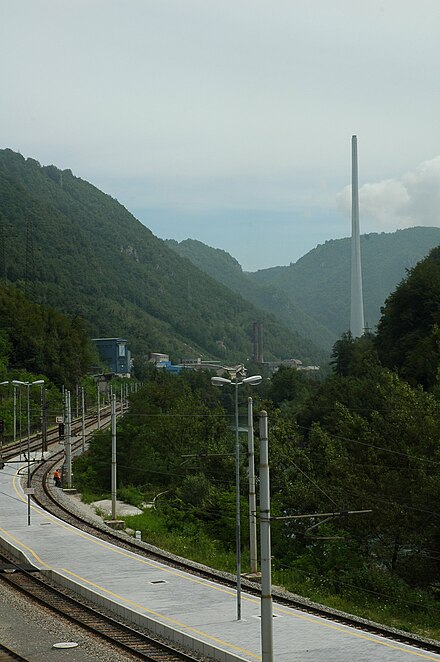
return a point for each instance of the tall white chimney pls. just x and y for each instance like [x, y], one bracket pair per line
[357, 302]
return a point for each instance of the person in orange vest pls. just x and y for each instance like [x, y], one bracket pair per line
[57, 478]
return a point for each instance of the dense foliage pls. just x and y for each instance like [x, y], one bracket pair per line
[220, 265]
[319, 282]
[408, 336]
[75, 248]
[364, 440]
[40, 340]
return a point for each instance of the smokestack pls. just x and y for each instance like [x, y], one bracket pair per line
[357, 302]
[258, 342]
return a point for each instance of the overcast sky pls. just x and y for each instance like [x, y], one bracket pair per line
[230, 121]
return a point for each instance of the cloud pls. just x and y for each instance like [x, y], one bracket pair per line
[412, 200]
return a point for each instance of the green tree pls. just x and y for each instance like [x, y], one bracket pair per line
[408, 337]
[372, 442]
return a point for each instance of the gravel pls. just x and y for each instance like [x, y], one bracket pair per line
[31, 630]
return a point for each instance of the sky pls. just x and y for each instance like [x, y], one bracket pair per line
[230, 121]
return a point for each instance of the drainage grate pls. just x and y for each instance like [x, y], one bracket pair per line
[159, 581]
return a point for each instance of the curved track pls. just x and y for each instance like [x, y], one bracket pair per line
[126, 638]
[8, 654]
[13, 449]
[46, 496]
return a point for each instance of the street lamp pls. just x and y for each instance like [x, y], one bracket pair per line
[221, 381]
[37, 382]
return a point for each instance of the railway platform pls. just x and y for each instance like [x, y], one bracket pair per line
[186, 609]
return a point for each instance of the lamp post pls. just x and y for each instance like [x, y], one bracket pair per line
[221, 381]
[43, 421]
[252, 493]
[28, 385]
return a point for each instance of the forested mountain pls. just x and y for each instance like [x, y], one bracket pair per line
[77, 249]
[319, 282]
[223, 267]
[408, 334]
[40, 340]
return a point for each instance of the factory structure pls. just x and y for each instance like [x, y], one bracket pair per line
[115, 354]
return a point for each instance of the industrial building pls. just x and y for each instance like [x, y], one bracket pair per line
[115, 354]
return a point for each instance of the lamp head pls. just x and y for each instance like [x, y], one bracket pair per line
[254, 380]
[220, 381]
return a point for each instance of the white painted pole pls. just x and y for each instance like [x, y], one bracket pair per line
[83, 421]
[68, 442]
[99, 405]
[237, 504]
[28, 455]
[15, 413]
[113, 417]
[252, 493]
[266, 572]
[20, 427]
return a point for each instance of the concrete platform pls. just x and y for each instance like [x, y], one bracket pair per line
[180, 606]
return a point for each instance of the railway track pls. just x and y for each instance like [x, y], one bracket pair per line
[14, 449]
[46, 497]
[7, 655]
[126, 638]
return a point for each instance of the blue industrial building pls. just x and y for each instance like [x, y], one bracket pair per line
[115, 354]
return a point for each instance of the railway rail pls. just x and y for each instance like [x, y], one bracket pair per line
[7, 655]
[46, 496]
[14, 449]
[98, 623]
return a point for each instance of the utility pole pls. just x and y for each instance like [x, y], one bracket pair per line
[113, 482]
[99, 405]
[15, 413]
[43, 421]
[252, 492]
[83, 420]
[266, 571]
[237, 505]
[68, 441]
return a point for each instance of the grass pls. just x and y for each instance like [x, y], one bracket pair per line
[417, 613]
[184, 541]
[195, 545]
[420, 618]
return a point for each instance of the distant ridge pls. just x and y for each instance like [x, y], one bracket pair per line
[92, 258]
[224, 268]
[319, 282]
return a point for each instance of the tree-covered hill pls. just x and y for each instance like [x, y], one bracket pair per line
[77, 249]
[41, 340]
[408, 335]
[224, 268]
[319, 282]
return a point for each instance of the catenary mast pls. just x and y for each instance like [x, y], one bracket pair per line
[357, 303]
